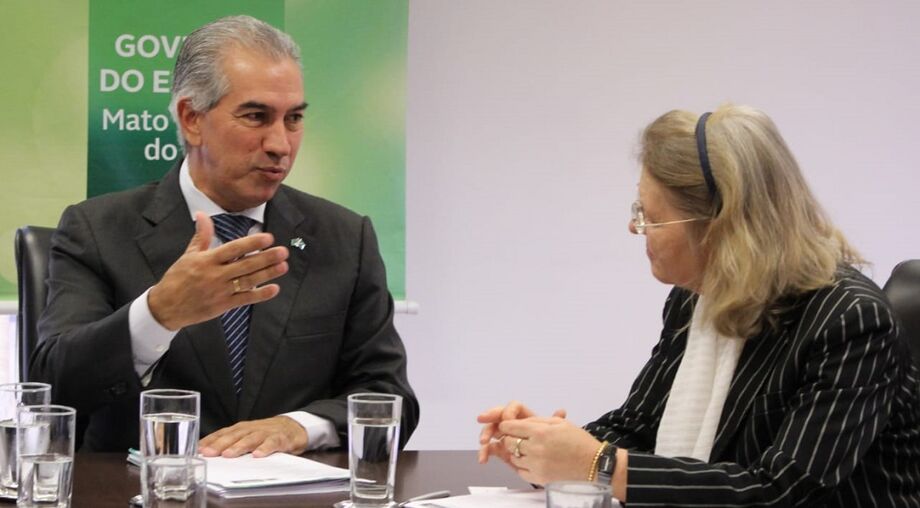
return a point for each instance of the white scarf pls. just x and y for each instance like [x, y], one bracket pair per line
[694, 407]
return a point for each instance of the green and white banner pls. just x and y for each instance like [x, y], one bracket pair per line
[88, 88]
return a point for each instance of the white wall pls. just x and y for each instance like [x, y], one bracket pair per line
[523, 118]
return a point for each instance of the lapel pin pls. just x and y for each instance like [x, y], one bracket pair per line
[298, 242]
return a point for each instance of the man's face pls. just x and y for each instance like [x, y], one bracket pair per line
[241, 150]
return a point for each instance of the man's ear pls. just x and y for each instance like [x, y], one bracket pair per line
[189, 121]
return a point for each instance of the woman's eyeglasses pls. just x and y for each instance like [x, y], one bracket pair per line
[638, 219]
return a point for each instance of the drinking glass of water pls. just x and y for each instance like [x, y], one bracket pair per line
[45, 446]
[373, 441]
[169, 422]
[169, 426]
[12, 397]
[575, 494]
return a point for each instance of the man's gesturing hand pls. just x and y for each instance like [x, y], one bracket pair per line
[200, 285]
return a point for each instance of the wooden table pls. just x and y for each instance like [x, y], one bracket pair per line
[103, 480]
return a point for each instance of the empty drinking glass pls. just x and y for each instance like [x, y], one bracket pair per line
[175, 481]
[578, 495]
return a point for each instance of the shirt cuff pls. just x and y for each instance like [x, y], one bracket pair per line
[149, 339]
[320, 431]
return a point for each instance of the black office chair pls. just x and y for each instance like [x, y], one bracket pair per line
[33, 246]
[33, 249]
[903, 290]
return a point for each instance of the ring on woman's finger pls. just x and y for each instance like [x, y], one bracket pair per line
[517, 448]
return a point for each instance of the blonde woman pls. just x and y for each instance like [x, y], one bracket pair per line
[779, 378]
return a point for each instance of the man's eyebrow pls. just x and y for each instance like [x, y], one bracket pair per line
[253, 105]
[259, 105]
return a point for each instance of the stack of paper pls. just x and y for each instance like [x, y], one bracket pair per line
[275, 475]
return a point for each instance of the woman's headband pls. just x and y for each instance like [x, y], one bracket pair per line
[704, 157]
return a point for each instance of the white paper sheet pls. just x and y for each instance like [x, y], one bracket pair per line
[493, 499]
[277, 474]
[276, 469]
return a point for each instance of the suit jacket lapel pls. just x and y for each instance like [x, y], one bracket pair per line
[170, 227]
[269, 318]
[170, 230]
[756, 362]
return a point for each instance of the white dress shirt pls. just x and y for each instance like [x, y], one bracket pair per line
[150, 340]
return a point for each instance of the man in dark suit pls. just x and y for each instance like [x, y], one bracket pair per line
[270, 302]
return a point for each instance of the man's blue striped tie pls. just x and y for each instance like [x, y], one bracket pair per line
[235, 321]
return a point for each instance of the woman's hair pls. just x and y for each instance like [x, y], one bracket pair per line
[767, 237]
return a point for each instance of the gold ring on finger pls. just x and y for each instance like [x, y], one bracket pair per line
[236, 286]
[517, 448]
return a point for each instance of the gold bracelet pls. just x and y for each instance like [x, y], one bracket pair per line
[592, 473]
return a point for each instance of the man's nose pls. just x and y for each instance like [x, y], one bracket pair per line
[276, 140]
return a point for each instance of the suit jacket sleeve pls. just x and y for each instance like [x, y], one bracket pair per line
[372, 357]
[848, 378]
[83, 317]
